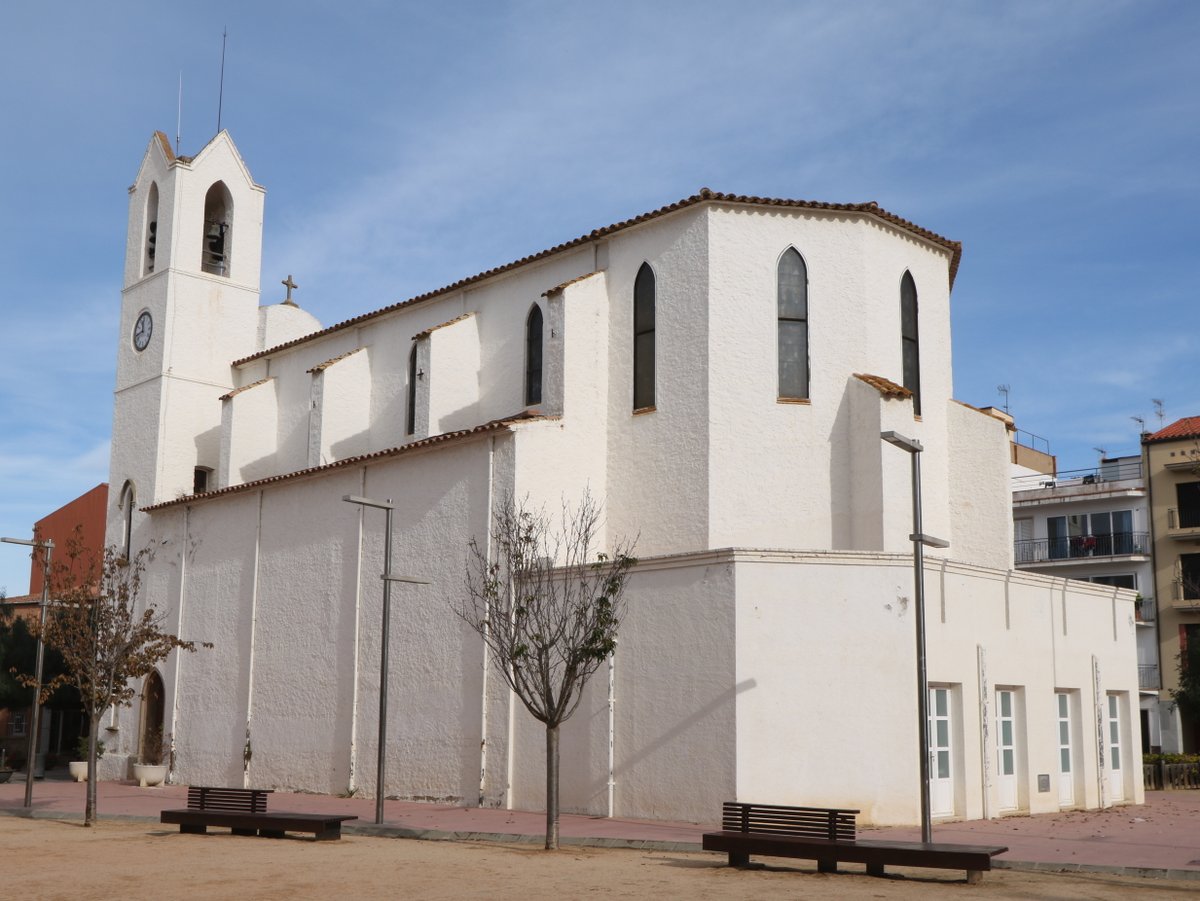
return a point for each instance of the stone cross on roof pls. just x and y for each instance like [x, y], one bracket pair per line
[290, 285]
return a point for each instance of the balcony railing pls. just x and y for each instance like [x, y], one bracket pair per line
[1183, 518]
[1148, 677]
[1146, 611]
[1039, 550]
[1112, 471]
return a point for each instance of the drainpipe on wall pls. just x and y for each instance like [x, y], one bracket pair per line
[483, 691]
[612, 699]
[183, 577]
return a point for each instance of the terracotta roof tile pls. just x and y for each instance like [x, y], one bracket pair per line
[237, 391]
[870, 208]
[889, 389]
[1188, 427]
[557, 288]
[321, 367]
[496, 425]
[433, 328]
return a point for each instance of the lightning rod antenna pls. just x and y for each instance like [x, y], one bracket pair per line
[179, 113]
[221, 88]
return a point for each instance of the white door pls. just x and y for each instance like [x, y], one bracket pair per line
[1006, 750]
[941, 769]
[1066, 769]
[1116, 779]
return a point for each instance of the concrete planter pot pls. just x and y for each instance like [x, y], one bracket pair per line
[78, 770]
[148, 774]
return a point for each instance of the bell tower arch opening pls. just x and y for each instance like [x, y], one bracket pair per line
[151, 230]
[218, 230]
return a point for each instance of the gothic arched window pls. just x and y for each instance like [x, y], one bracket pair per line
[643, 338]
[127, 503]
[533, 357]
[218, 230]
[151, 229]
[910, 340]
[410, 423]
[792, 299]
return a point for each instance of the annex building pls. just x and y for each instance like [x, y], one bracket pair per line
[718, 372]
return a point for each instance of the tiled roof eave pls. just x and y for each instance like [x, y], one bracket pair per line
[703, 196]
[496, 425]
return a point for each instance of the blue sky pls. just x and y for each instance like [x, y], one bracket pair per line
[406, 145]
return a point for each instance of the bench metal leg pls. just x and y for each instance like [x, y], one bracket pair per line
[874, 869]
[268, 833]
[193, 830]
[739, 859]
[331, 834]
[243, 831]
[974, 877]
[826, 866]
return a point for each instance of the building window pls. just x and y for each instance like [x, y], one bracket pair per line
[201, 479]
[643, 338]
[151, 229]
[1106, 534]
[533, 357]
[910, 340]
[218, 230]
[16, 725]
[127, 503]
[792, 297]
[1188, 578]
[1187, 496]
[410, 424]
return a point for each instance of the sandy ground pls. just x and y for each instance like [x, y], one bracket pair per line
[52, 859]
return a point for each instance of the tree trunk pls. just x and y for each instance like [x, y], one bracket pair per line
[89, 810]
[551, 787]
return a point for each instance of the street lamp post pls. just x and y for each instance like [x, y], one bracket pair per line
[920, 541]
[36, 718]
[385, 638]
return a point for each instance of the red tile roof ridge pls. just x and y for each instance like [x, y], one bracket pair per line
[321, 367]
[886, 387]
[495, 425]
[1188, 427]
[236, 391]
[705, 195]
[425, 333]
[579, 278]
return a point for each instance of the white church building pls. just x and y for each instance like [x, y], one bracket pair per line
[718, 373]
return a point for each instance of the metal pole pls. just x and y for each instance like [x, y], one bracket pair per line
[922, 678]
[384, 642]
[36, 719]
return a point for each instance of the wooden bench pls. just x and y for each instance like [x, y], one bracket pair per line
[829, 835]
[244, 812]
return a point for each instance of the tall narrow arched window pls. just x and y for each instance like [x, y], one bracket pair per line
[218, 230]
[533, 357]
[910, 339]
[643, 338]
[151, 229]
[128, 502]
[792, 297]
[410, 422]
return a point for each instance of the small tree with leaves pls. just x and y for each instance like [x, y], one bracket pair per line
[107, 646]
[1187, 695]
[547, 604]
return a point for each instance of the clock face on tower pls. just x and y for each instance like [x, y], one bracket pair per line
[142, 330]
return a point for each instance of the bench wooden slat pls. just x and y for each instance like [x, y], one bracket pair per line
[828, 835]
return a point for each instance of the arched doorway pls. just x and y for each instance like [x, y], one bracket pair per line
[150, 742]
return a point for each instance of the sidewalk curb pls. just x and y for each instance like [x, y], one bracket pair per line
[377, 830]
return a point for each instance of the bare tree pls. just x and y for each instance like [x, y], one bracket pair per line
[106, 644]
[547, 604]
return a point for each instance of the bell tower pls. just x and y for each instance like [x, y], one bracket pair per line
[189, 307]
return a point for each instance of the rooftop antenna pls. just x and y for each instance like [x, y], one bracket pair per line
[1004, 389]
[1158, 409]
[221, 88]
[179, 113]
[1102, 451]
[1141, 424]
